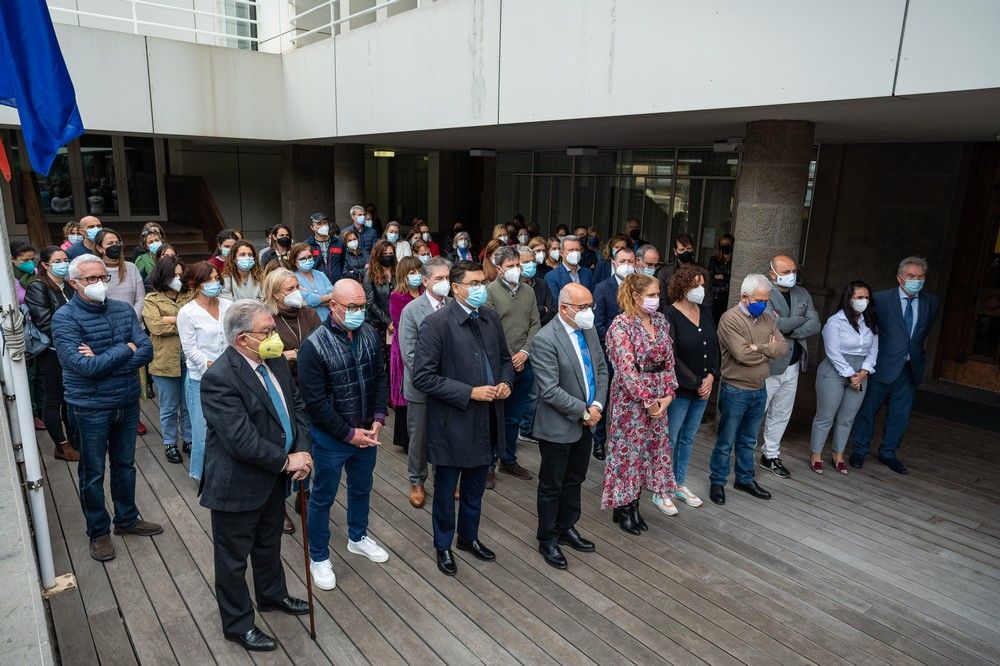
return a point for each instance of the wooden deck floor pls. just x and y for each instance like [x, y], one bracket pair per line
[871, 568]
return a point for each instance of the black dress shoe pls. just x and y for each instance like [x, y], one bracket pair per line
[173, 455]
[289, 605]
[479, 551]
[186, 447]
[717, 494]
[857, 461]
[894, 465]
[599, 452]
[573, 539]
[754, 489]
[553, 556]
[254, 640]
[637, 517]
[446, 563]
[623, 516]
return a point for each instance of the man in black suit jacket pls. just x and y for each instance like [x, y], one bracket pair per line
[462, 363]
[257, 441]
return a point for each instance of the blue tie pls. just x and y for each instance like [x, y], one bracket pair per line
[279, 405]
[588, 366]
[474, 325]
[908, 316]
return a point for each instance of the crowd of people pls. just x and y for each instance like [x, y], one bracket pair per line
[278, 368]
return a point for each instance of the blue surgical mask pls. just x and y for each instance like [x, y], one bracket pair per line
[352, 320]
[528, 269]
[392, 236]
[913, 287]
[74, 238]
[92, 233]
[211, 289]
[224, 251]
[649, 271]
[306, 265]
[413, 280]
[424, 258]
[61, 269]
[154, 246]
[245, 263]
[477, 296]
[757, 309]
[368, 222]
[26, 267]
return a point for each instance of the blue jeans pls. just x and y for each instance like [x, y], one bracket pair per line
[173, 410]
[683, 417]
[192, 397]
[740, 414]
[330, 457]
[513, 410]
[898, 400]
[110, 433]
[470, 503]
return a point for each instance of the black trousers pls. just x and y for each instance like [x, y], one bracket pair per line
[563, 469]
[54, 412]
[257, 534]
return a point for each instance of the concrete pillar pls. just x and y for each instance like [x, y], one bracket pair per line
[330, 179]
[348, 181]
[770, 195]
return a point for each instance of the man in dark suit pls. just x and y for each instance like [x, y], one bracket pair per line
[463, 365]
[570, 270]
[905, 316]
[257, 442]
[605, 310]
[572, 383]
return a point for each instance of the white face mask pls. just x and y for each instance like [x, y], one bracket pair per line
[696, 295]
[96, 292]
[426, 236]
[624, 271]
[650, 304]
[441, 288]
[175, 284]
[859, 304]
[323, 230]
[294, 299]
[512, 275]
[554, 255]
[573, 257]
[540, 257]
[584, 319]
[502, 238]
[523, 239]
[463, 243]
[787, 281]
[352, 245]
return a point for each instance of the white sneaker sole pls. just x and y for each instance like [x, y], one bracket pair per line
[323, 586]
[666, 510]
[384, 557]
[690, 502]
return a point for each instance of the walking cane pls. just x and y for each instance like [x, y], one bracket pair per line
[305, 558]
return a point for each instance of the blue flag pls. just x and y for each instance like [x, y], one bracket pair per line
[35, 81]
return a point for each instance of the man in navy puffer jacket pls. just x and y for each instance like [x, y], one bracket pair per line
[343, 383]
[101, 347]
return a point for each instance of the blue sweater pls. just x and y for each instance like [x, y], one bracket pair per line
[109, 379]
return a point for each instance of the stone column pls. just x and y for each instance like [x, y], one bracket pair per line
[770, 195]
[348, 180]
[329, 179]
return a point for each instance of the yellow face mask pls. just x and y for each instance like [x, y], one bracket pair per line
[271, 346]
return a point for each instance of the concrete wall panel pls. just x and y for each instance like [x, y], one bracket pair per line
[309, 82]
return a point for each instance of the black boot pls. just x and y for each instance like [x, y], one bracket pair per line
[636, 516]
[623, 516]
[599, 452]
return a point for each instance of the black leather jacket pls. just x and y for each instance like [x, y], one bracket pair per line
[43, 299]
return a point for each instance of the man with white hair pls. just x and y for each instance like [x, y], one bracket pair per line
[749, 338]
[257, 444]
[570, 270]
[101, 346]
[362, 226]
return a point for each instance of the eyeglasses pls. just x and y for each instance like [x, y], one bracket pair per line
[475, 283]
[93, 279]
[265, 332]
[352, 307]
[583, 307]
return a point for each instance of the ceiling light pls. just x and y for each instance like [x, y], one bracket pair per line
[384, 153]
[482, 152]
[581, 151]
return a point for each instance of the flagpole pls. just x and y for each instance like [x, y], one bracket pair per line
[17, 389]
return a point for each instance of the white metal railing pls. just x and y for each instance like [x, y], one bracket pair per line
[242, 23]
[330, 27]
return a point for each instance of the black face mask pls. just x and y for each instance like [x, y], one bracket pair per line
[284, 241]
[634, 234]
[685, 257]
[726, 249]
[387, 261]
[114, 252]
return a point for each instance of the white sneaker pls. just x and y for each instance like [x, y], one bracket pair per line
[368, 548]
[685, 495]
[665, 504]
[322, 575]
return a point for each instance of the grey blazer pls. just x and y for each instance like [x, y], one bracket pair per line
[410, 319]
[560, 384]
[796, 324]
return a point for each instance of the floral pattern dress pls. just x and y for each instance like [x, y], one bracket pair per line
[638, 453]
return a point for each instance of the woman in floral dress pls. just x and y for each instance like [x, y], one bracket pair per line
[639, 348]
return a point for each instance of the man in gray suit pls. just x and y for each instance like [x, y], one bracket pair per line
[571, 379]
[436, 288]
[797, 319]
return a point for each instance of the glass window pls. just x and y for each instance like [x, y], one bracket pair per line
[140, 170]
[99, 186]
[603, 162]
[540, 209]
[706, 163]
[522, 198]
[505, 198]
[553, 162]
[55, 191]
[717, 217]
[583, 201]
[514, 163]
[562, 201]
[603, 201]
[686, 211]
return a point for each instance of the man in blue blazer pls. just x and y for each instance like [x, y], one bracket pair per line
[905, 317]
[570, 270]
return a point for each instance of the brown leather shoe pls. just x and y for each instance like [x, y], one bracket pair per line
[102, 549]
[458, 493]
[516, 470]
[289, 527]
[66, 452]
[417, 496]
[141, 528]
[491, 480]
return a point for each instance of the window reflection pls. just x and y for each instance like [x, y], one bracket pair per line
[98, 160]
[140, 171]
[56, 190]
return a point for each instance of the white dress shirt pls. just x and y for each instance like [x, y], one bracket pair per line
[202, 338]
[274, 380]
[571, 332]
[436, 303]
[840, 338]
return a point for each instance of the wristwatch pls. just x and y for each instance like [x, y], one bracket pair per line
[586, 415]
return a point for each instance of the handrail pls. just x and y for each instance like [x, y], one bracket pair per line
[333, 24]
